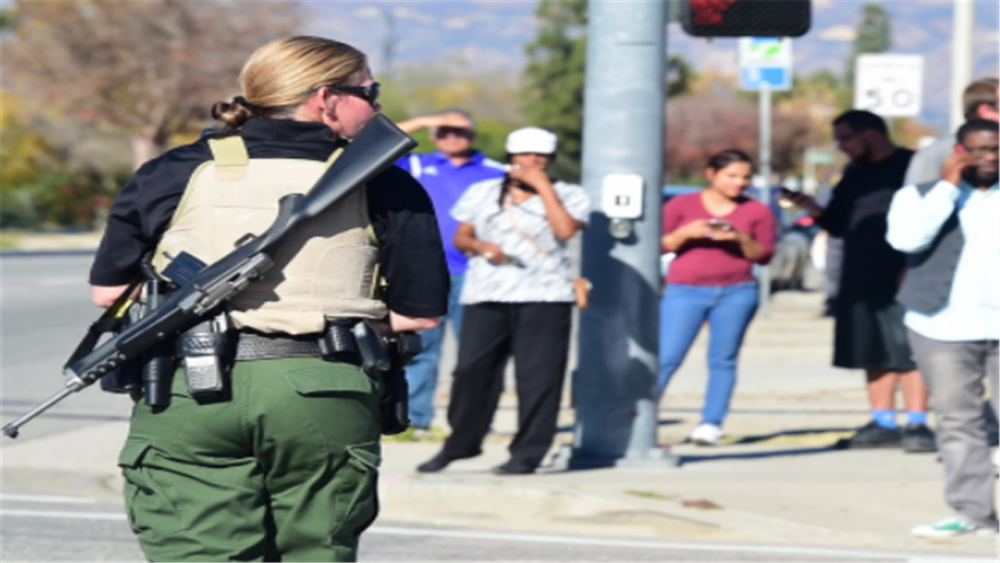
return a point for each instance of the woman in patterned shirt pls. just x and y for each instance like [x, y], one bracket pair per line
[518, 299]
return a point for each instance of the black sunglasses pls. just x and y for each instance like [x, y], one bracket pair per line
[367, 93]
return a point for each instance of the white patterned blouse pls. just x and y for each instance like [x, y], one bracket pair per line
[533, 276]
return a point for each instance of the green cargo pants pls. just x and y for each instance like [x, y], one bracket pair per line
[283, 470]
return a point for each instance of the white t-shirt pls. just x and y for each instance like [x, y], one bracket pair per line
[534, 277]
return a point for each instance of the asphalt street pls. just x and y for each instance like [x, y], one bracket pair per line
[45, 310]
[61, 528]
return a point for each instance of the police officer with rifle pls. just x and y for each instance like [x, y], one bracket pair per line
[288, 316]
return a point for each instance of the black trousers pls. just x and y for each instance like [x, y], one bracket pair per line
[537, 335]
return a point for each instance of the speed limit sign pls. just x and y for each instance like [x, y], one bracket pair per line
[889, 85]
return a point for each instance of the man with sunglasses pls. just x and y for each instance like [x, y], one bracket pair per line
[949, 230]
[445, 174]
[869, 333]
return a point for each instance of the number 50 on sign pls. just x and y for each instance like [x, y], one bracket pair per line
[889, 85]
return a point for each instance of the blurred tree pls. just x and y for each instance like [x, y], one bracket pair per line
[490, 96]
[874, 36]
[8, 20]
[38, 186]
[25, 159]
[25, 155]
[680, 76]
[701, 125]
[554, 79]
[149, 69]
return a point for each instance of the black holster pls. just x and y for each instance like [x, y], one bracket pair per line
[383, 359]
[396, 402]
[127, 377]
[159, 361]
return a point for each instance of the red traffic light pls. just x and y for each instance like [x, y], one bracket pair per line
[746, 18]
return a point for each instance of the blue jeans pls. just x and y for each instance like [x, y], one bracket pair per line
[728, 310]
[422, 373]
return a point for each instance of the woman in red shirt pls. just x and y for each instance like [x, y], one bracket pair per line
[717, 234]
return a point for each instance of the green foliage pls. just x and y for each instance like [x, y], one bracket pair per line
[874, 36]
[8, 20]
[554, 79]
[58, 199]
[25, 155]
[36, 188]
[489, 96]
[680, 76]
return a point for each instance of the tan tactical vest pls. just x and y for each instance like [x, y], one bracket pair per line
[326, 268]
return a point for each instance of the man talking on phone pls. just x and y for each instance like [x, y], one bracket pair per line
[950, 231]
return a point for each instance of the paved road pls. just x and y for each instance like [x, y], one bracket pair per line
[45, 309]
[61, 528]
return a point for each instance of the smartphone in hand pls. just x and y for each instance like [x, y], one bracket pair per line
[717, 224]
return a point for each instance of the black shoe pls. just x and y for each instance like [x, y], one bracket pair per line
[513, 468]
[918, 438]
[872, 436]
[435, 464]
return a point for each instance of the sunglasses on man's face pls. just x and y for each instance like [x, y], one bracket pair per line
[367, 93]
[443, 132]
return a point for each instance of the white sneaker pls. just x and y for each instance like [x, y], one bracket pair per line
[951, 527]
[706, 434]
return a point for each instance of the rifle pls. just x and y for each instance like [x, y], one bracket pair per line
[203, 288]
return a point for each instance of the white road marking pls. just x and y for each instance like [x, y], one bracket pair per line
[47, 499]
[568, 540]
[63, 515]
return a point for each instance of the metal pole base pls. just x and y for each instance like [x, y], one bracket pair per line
[568, 458]
[655, 457]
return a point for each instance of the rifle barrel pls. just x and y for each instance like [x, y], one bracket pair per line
[12, 428]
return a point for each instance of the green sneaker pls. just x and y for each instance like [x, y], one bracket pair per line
[951, 527]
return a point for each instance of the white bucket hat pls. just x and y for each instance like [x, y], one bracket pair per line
[532, 140]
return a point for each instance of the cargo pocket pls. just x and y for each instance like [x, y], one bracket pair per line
[357, 493]
[329, 380]
[151, 513]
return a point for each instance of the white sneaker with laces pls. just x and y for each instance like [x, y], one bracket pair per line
[706, 434]
[951, 527]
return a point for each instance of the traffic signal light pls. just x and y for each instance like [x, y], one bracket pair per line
[746, 18]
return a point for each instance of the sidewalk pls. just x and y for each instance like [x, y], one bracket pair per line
[776, 480]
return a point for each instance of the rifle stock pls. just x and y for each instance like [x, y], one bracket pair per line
[376, 147]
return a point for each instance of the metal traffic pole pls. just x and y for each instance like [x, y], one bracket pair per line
[764, 277]
[615, 386]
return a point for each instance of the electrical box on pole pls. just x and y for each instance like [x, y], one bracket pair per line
[746, 18]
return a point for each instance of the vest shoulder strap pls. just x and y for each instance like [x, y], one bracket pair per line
[230, 157]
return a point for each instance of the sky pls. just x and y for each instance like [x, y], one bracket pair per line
[493, 34]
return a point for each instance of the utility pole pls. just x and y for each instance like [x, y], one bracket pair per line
[764, 274]
[961, 57]
[615, 386]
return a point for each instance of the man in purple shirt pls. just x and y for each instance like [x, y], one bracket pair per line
[445, 174]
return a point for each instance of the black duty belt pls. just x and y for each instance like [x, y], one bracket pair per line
[261, 346]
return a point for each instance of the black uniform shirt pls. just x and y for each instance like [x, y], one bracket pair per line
[411, 256]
